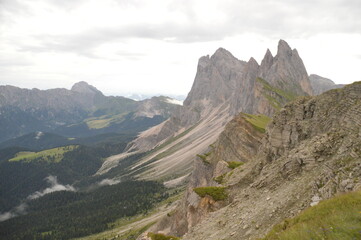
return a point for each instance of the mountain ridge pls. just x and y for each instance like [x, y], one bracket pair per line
[64, 111]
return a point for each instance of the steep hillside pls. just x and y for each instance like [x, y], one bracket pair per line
[320, 84]
[223, 87]
[309, 152]
[81, 111]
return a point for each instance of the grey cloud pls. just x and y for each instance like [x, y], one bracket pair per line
[21, 209]
[11, 7]
[17, 211]
[106, 182]
[273, 18]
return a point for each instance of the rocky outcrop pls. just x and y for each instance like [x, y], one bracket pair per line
[320, 84]
[310, 151]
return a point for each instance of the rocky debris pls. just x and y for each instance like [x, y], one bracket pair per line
[320, 84]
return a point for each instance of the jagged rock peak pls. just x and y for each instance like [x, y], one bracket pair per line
[221, 52]
[283, 48]
[84, 87]
[266, 63]
[268, 58]
[252, 61]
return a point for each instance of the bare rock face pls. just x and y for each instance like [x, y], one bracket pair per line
[215, 80]
[286, 70]
[320, 84]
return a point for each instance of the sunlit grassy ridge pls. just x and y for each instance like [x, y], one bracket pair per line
[333, 219]
[259, 122]
[53, 155]
[104, 121]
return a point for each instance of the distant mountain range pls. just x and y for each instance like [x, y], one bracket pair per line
[79, 112]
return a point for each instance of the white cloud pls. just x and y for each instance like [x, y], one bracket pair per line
[107, 181]
[54, 187]
[19, 210]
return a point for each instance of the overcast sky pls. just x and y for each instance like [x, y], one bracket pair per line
[142, 46]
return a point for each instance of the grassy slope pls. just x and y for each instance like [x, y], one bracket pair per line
[105, 120]
[276, 97]
[333, 219]
[259, 122]
[49, 155]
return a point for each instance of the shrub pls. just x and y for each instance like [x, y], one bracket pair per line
[259, 122]
[204, 158]
[219, 179]
[217, 193]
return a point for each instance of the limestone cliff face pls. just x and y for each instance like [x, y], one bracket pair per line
[310, 152]
[215, 81]
[320, 84]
